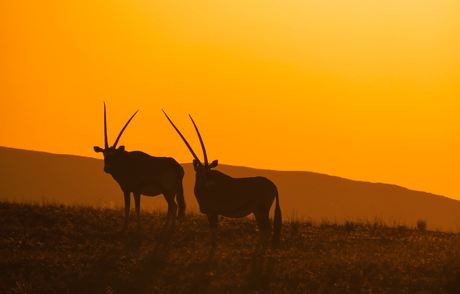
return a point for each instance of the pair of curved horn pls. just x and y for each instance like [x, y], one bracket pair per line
[119, 135]
[186, 143]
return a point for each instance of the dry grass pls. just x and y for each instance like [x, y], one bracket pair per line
[62, 249]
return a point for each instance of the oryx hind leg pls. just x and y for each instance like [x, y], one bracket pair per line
[172, 211]
[265, 229]
[180, 199]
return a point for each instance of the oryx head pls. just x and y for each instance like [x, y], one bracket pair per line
[111, 152]
[201, 169]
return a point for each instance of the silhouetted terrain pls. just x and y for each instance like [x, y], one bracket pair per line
[76, 249]
[37, 176]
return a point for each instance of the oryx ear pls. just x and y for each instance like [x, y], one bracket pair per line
[98, 149]
[121, 148]
[213, 164]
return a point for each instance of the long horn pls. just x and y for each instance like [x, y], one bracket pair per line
[105, 129]
[118, 138]
[201, 141]
[185, 141]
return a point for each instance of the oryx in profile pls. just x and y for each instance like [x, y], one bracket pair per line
[219, 194]
[139, 173]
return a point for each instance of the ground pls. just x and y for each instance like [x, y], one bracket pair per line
[50, 248]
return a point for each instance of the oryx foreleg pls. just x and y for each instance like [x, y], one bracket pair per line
[137, 202]
[127, 207]
[213, 220]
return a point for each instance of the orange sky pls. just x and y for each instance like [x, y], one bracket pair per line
[365, 89]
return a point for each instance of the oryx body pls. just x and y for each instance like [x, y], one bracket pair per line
[141, 174]
[219, 194]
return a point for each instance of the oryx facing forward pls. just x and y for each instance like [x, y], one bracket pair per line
[139, 173]
[219, 194]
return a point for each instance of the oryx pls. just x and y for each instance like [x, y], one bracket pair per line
[219, 194]
[140, 173]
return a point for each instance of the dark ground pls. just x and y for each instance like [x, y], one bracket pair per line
[72, 249]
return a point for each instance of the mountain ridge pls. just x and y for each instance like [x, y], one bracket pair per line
[35, 176]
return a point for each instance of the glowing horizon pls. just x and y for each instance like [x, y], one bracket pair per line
[364, 90]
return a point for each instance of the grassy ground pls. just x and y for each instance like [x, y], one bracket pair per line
[64, 249]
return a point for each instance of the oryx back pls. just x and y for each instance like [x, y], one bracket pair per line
[141, 173]
[233, 197]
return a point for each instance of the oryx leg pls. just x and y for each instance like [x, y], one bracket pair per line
[137, 202]
[127, 207]
[172, 211]
[213, 220]
[265, 229]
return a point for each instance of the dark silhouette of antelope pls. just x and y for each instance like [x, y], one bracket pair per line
[139, 173]
[219, 194]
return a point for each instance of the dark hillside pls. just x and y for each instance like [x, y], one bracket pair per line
[318, 196]
[34, 176]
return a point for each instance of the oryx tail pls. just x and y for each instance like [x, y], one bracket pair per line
[277, 221]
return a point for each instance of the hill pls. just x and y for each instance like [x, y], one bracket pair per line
[36, 176]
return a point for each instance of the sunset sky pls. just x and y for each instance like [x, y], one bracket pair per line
[365, 89]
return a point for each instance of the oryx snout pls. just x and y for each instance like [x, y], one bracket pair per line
[108, 154]
[108, 168]
[110, 158]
